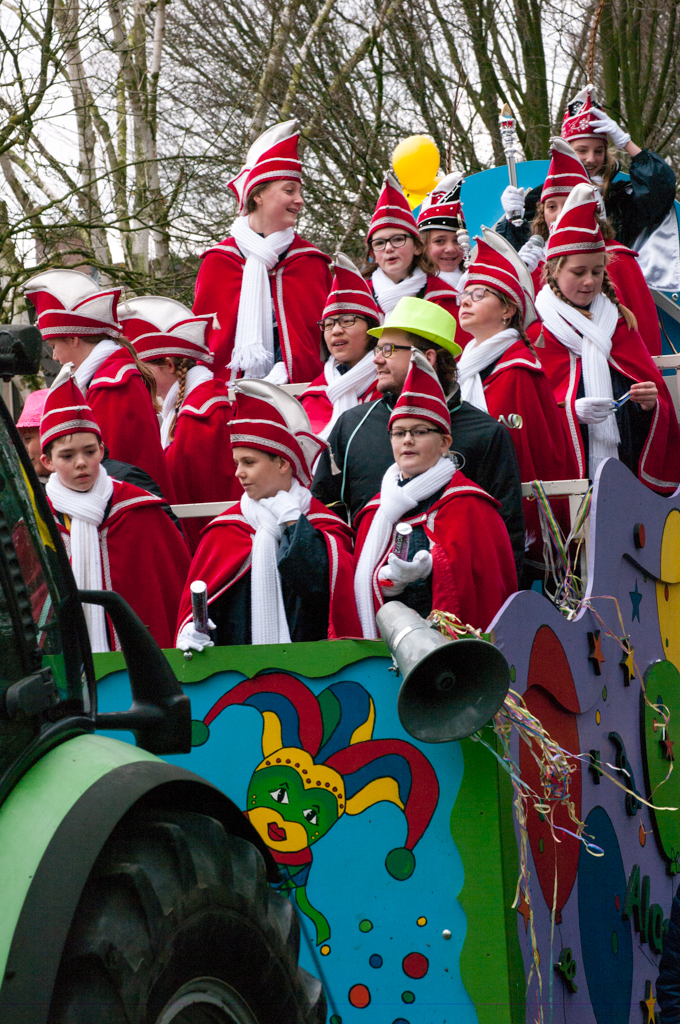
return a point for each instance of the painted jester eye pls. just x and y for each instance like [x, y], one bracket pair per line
[280, 795]
[310, 815]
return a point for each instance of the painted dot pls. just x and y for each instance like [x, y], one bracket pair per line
[421, 921]
[335, 789]
[268, 762]
[513, 673]
[540, 846]
[308, 782]
[375, 960]
[642, 835]
[615, 943]
[297, 765]
[604, 693]
[304, 770]
[359, 996]
[325, 950]
[415, 965]
[617, 902]
[287, 760]
[318, 782]
[408, 997]
[278, 760]
[598, 717]
[365, 925]
[328, 785]
[335, 1019]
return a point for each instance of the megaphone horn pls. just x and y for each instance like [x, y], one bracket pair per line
[451, 688]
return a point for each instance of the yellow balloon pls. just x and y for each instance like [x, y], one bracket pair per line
[415, 198]
[416, 162]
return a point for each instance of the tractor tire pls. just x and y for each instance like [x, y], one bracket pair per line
[177, 925]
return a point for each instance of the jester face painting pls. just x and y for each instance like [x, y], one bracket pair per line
[320, 762]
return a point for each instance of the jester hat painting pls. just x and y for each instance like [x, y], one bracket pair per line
[319, 763]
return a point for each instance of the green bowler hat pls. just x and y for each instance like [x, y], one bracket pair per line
[426, 319]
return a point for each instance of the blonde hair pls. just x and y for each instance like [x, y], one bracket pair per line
[555, 265]
[540, 227]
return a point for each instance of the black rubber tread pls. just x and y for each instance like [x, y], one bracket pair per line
[173, 896]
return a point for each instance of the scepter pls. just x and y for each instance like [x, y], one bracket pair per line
[506, 121]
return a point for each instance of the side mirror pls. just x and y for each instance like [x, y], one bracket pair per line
[160, 714]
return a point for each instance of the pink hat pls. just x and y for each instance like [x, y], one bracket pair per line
[272, 157]
[350, 292]
[565, 171]
[422, 396]
[66, 411]
[392, 210]
[576, 230]
[32, 411]
[580, 114]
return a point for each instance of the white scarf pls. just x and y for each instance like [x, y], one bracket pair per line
[196, 375]
[86, 511]
[99, 354]
[268, 614]
[591, 342]
[254, 344]
[345, 389]
[395, 502]
[388, 293]
[452, 277]
[476, 358]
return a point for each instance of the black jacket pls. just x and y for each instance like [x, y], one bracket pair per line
[130, 474]
[632, 206]
[351, 472]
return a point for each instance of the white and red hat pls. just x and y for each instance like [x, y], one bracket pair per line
[576, 230]
[272, 421]
[66, 411]
[158, 327]
[565, 171]
[443, 209]
[69, 302]
[422, 396]
[272, 157]
[495, 264]
[392, 210]
[579, 115]
[350, 292]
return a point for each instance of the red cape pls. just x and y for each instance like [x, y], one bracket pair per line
[144, 559]
[199, 458]
[473, 570]
[320, 410]
[659, 466]
[223, 557]
[544, 452]
[299, 283]
[122, 407]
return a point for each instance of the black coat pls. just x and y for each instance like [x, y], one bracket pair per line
[350, 472]
[632, 206]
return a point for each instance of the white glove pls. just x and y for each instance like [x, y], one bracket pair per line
[606, 125]
[399, 573]
[283, 506]
[278, 374]
[191, 640]
[512, 201]
[531, 255]
[593, 410]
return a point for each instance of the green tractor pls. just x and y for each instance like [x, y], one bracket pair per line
[133, 891]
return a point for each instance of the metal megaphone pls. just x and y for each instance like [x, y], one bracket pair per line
[451, 688]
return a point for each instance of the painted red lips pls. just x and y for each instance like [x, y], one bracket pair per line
[275, 833]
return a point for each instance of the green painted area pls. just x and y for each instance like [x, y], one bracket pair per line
[365, 926]
[321, 658]
[36, 807]
[662, 681]
[481, 825]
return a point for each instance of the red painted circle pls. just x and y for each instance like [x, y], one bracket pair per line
[415, 965]
[359, 996]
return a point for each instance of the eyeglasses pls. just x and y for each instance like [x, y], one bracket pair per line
[396, 241]
[475, 295]
[388, 350]
[347, 320]
[415, 432]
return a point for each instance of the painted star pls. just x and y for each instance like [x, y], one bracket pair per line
[627, 665]
[635, 597]
[648, 1004]
[525, 910]
[595, 653]
[667, 750]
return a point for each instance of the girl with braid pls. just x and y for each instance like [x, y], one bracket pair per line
[196, 412]
[80, 323]
[614, 399]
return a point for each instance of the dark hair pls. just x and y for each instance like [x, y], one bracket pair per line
[47, 450]
[370, 322]
[251, 205]
[445, 365]
[421, 260]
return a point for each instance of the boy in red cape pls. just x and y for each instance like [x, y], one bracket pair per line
[279, 568]
[264, 263]
[79, 322]
[460, 558]
[117, 536]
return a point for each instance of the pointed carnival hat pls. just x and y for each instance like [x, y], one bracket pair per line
[66, 411]
[424, 318]
[350, 292]
[422, 396]
[565, 171]
[69, 302]
[442, 208]
[392, 210]
[495, 264]
[272, 157]
[576, 230]
[581, 111]
[159, 327]
[271, 420]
